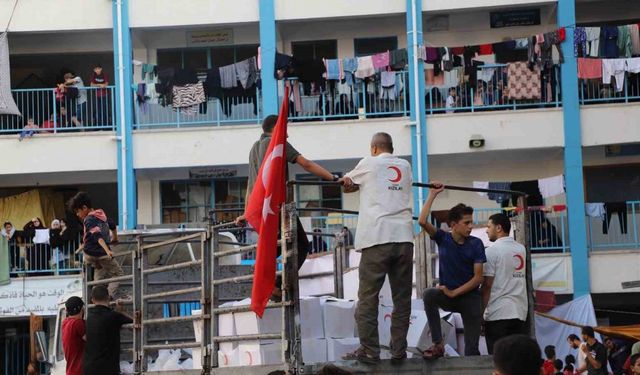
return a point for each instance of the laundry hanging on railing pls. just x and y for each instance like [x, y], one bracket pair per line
[187, 98]
[607, 41]
[536, 190]
[605, 69]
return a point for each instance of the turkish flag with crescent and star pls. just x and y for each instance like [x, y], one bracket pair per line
[263, 209]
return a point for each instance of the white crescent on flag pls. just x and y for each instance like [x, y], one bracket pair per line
[277, 152]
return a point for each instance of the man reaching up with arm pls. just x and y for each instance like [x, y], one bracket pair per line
[461, 258]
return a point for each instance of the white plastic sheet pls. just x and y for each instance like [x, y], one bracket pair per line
[550, 332]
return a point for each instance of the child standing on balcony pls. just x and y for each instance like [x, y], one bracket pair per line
[100, 107]
[71, 80]
[99, 232]
[29, 129]
[452, 99]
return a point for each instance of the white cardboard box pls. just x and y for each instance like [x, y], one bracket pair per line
[314, 351]
[248, 323]
[254, 353]
[351, 283]
[311, 320]
[339, 318]
[384, 324]
[228, 358]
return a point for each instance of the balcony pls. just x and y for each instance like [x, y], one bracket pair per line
[43, 111]
[28, 258]
[490, 93]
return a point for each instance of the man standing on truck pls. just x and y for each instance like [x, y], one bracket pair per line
[385, 237]
[102, 352]
[99, 232]
[256, 155]
[73, 335]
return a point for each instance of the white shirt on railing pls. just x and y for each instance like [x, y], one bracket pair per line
[385, 200]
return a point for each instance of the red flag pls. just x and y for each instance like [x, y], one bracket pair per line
[263, 208]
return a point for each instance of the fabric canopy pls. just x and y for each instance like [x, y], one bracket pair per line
[42, 203]
[631, 332]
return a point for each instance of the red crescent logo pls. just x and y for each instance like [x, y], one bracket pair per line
[521, 261]
[387, 316]
[398, 175]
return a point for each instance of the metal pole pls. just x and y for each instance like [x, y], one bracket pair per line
[206, 302]
[522, 236]
[213, 299]
[144, 304]
[138, 303]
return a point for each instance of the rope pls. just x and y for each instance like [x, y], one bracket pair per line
[15, 4]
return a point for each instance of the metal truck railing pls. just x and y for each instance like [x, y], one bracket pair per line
[163, 268]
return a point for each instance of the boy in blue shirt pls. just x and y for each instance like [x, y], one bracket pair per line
[461, 259]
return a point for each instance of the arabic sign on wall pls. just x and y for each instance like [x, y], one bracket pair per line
[219, 37]
[38, 295]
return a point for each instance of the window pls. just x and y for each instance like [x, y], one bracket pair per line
[317, 196]
[315, 49]
[201, 59]
[371, 46]
[190, 201]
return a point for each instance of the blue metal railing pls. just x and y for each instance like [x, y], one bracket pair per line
[619, 230]
[15, 357]
[214, 112]
[362, 100]
[547, 230]
[27, 258]
[44, 112]
[491, 93]
[596, 92]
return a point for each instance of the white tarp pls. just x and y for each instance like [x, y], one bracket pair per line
[7, 105]
[550, 332]
[551, 273]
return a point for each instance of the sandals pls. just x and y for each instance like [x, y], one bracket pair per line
[434, 352]
[361, 356]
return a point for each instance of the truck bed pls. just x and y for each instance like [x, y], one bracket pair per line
[452, 366]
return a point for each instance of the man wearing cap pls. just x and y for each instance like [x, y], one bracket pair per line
[73, 335]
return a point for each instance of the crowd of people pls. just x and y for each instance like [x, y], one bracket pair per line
[40, 250]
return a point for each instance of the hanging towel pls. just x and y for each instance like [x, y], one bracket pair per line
[452, 78]
[365, 67]
[246, 72]
[633, 65]
[593, 41]
[523, 83]
[334, 69]
[481, 185]
[380, 60]
[398, 59]
[228, 77]
[616, 68]
[589, 68]
[551, 186]
[634, 30]
[624, 41]
[595, 210]
[349, 67]
[188, 97]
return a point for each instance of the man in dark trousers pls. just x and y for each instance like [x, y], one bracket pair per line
[461, 258]
[385, 237]
[102, 351]
[256, 155]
